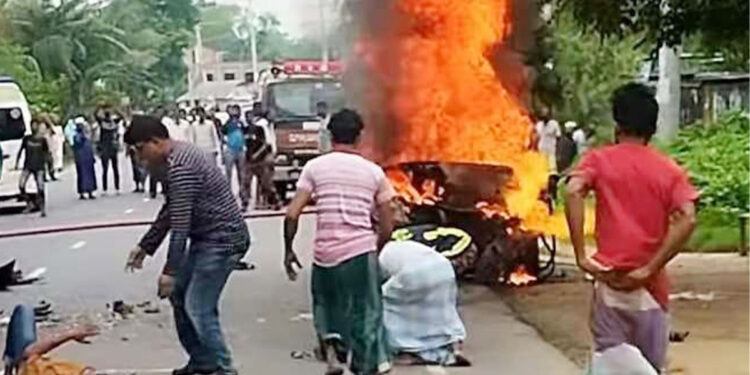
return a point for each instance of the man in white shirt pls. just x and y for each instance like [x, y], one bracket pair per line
[579, 137]
[203, 134]
[548, 132]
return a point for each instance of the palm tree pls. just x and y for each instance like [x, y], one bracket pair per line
[67, 39]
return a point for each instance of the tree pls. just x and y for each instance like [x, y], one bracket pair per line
[584, 70]
[665, 23]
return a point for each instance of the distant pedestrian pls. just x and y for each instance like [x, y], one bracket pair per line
[84, 157]
[581, 140]
[180, 128]
[566, 149]
[193, 279]
[644, 215]
[324, 136]
[56, 142]
[35, 149]
[204, 135]
[108, 148]
[349, 192]
[234, 153]
[548, 131]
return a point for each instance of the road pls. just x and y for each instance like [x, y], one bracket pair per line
[265, 316]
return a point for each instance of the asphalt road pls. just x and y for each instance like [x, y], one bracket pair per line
[265, 316]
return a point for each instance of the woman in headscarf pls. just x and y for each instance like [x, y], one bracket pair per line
[84, 155]
[25, 354]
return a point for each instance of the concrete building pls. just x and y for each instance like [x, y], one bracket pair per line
[215, 82]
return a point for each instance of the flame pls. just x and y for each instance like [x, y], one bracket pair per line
[446, 100]
[521, 277]
[402, 184]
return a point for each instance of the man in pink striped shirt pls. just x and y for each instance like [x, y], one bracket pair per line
[349, 192]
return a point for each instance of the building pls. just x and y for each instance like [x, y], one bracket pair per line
[215, 82]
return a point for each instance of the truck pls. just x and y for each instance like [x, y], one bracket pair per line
[15, 123]
[290, 98]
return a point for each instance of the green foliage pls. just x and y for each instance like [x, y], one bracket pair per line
[723, 25]
[121, 50]
[586, 69]
[44, 96]
[717, 157]
[219, 22]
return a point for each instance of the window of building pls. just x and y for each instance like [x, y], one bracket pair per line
[229, 76]
[209, 77]
[249, 77]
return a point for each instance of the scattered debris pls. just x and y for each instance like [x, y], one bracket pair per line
[144, 304]
[123, 309]
[4, 321]
[42, 311]
[244, 266]
[302, 317]
[152, 310]
[260, 320]
[10, 276]
[692, 296]
[678, 336]
[301, 354]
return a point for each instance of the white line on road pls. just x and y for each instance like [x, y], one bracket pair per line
[129, 211]
[146, 199]
[78, 245]
[437, 370]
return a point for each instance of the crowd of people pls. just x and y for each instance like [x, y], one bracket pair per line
[245, 144]
[377, 293]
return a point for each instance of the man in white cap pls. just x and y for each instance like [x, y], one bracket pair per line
[548, 131]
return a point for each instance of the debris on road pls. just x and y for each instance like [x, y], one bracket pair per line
[244, 266]
[678, 336]
[692, 296]
[10, 276]
[123, 309]
[302, 317]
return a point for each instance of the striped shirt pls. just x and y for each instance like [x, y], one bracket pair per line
[199, 206]
[347, 189]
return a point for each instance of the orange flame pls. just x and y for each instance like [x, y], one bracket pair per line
[402, 184]
[446, 99]
[521, 277]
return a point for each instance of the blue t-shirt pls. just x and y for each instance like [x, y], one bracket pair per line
[235, 136]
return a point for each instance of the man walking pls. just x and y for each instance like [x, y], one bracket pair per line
[347, 301]
[194, 279]
[644, 215]
[35, 159]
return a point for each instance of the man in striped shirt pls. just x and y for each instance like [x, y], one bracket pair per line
[349, 192]
[200, 208]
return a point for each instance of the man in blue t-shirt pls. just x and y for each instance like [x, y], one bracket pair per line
[234, 140]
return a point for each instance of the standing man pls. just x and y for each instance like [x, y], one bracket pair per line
[194, 279]
[203, 134]
[645, 213]
[35, 159]
[109, 147]
[347, 301]
[234, 154]
[324, 136]
[548, 131]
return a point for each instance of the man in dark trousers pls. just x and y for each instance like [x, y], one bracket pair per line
[36, 156]
[108, 147]
[193, 279]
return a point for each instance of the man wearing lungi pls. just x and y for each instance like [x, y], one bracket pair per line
[349, 191]
[645, 213]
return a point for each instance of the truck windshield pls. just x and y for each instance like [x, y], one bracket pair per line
[299, 99]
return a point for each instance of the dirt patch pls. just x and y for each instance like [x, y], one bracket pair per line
[718, 342]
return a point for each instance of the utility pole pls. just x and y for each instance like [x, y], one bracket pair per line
[323, 34]
[668, 86]
[253, 42]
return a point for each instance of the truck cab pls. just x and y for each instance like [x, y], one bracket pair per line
[15, 123]
[291, 102]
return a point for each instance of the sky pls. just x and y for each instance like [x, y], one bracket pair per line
[298, 17]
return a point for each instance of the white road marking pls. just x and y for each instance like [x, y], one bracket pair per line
[146, 199]
[78, 245]
[129, 211]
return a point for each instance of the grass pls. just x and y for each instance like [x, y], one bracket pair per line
[717, 231]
